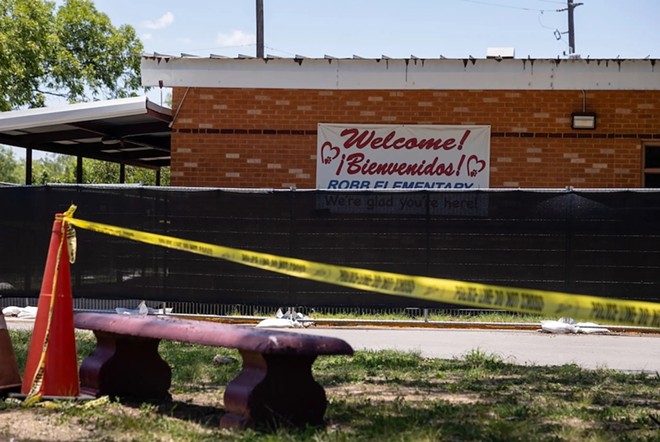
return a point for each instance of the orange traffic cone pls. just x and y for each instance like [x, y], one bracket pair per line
[52, 367]
[10, 379]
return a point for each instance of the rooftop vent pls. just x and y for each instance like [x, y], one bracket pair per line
[500, 53]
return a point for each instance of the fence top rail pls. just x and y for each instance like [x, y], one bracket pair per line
[258, 190]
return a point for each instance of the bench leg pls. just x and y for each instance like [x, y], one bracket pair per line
[274, 390]
[126, 367]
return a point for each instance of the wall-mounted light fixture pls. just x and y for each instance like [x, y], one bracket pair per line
[583, 120]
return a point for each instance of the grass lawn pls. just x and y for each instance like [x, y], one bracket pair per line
[373, 396]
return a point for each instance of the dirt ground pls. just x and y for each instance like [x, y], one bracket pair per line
[44, 423]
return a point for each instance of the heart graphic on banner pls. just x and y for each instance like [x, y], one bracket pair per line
[329, 152]
[475, 165]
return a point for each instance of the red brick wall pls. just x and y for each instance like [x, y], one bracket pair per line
[267, 137]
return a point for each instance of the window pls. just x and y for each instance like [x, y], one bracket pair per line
[652, 165]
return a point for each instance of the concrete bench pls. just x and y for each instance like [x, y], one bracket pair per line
[275, 385]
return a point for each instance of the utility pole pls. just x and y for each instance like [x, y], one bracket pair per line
[571, 30]
[260, 28]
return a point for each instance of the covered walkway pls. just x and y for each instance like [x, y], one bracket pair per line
[129, 131]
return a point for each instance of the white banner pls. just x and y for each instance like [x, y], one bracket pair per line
[371, 156]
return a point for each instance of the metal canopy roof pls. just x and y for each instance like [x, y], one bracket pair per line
[131, 131]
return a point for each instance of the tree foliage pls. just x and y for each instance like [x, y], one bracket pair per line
[72, 51]
[54, 169]
[10, 170]
[102, 172]
[62, 169]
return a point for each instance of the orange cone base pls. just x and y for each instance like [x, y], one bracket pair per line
[59, 376]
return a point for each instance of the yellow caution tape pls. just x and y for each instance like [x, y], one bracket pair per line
[61, 405]
[608, 310]
[72, 243]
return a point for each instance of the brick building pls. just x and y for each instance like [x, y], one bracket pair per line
[254, 122]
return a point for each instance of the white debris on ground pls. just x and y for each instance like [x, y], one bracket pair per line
[290, 319]
[31, 312]
[568, 325]
[27, 312]
[143, 310]
[223, 360]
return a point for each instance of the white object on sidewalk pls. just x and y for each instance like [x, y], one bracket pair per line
[142, 309]
[276, 323]
[290, 319]
[568, 325]
[27, 312]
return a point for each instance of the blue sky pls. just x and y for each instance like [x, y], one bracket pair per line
[396, 28]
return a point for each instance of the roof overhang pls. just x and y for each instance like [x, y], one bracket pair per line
[130, 131]
[400, 74]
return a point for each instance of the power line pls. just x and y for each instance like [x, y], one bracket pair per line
[543, 25]
[280, 50]
[500, 5]
[570, 7]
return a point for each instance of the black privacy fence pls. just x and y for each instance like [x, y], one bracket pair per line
[595, 242]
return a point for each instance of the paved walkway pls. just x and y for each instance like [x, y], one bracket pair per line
[628, 352]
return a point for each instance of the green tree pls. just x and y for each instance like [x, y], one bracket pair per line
[72, 51]
[54, 169]
[11, 170]
[101, 172]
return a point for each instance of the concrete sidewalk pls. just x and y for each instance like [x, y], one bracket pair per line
[620, 351]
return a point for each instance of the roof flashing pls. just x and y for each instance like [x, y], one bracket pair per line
[413, 73]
